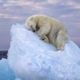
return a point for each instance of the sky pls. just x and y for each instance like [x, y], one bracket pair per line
[17, 11]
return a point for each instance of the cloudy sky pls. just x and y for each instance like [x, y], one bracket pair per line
[16, 11]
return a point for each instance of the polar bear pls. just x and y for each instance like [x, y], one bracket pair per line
[48, 29]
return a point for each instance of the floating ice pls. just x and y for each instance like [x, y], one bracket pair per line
[5, 72]
[32, 59]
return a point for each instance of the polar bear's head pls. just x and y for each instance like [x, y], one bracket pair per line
[31, 24]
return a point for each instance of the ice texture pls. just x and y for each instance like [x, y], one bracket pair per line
[32, 59]
[5, 72]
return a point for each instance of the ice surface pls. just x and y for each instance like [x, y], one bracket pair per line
[5, 72]
[32, 59]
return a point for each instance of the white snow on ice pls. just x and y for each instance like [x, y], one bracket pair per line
[32, 59]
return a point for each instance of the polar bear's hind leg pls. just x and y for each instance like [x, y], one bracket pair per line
[61, 40]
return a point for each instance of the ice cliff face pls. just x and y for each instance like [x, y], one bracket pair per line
[32, 59]
[5, 72]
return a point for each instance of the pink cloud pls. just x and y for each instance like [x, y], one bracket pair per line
[73, 4]
[9, 16]
[66, 15]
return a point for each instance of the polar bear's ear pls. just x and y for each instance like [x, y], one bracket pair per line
[32, 18]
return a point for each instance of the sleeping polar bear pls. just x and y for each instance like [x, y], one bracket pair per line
[48, 29]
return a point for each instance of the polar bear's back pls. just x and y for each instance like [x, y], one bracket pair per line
[44, 19]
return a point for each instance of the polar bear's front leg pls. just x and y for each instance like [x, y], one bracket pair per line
[43, 31]
[46, 39]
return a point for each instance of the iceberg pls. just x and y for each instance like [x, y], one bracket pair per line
[32, 59]
[5, 72]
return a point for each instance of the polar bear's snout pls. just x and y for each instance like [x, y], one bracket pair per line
[34, 30]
